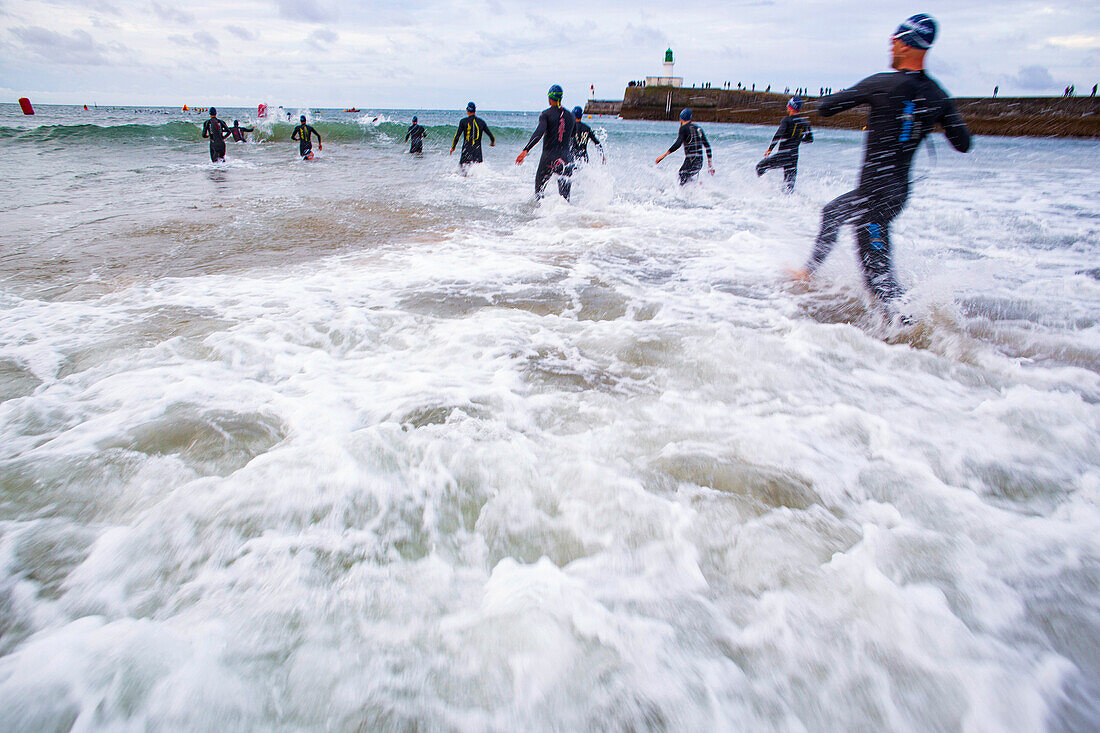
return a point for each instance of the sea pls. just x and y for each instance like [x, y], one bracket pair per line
[367, 443]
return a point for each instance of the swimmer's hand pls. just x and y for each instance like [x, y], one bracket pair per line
[521, 157]
[661, 157]
[711, 168]
[320, 146]
[452, 151]
[800, 274]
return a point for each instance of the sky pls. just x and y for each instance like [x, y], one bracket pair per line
[504, 54]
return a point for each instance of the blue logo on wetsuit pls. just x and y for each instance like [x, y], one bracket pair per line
[907, 124]
[877, 242]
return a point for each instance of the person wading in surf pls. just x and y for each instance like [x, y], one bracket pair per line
[303, 134]
[555, 129]
[694, 141]
[906, 104]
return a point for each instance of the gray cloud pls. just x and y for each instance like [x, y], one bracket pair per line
[79, 48]
[198, 39]
[1035, 78]
[321, 38]
[308, 11]
[242, 33]
[173, 15]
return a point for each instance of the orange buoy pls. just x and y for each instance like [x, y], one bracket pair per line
[185, 108]
[25, 104]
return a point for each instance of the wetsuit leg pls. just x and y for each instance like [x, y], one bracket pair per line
[304, 148]
[217, 150]
[470, 155]
[873, 239]
[416, 147]
[565, 180]
[690, 168]
[844, 209]
[790, 172]
[542, 175]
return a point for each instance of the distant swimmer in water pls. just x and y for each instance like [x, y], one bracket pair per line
[416, 136]
[694, 141]
[238, 131]
[471, 129]
[555, 129]
[906, 104]
[217, 131]
[303, 134]
[793, 130]
[582, 134]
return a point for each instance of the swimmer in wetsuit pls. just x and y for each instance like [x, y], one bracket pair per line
[416, 134]
[555, 129]
[303, 134]
[793, 131]
[694, 141]
[470, 129]
[238, 132]
[217, 131]
[582, 133]
[906, 104]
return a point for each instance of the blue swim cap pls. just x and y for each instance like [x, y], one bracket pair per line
[556, 93]
[795, 104]
[577, 112]
[471, 107]
[918, 31]
[685, 114]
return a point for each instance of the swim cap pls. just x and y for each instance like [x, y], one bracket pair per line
[302, 118]
[577, 112]
[917, 31]
[236, 123]
[795, 104]
[414, 118]
[471, 107]
[556, 93]
[685, 114]
[213, 111]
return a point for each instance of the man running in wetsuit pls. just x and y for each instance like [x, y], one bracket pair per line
[793, 130]
[217, 131]
[582, 133]
[905, 106]
[416, 134]
[304, 133]
[470, 129]
[238, 132]
[555, 129]
[694, 141]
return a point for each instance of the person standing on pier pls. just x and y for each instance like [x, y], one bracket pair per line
[555, 129]
[905, 104]
[470, 129]
[694, 141]
[793, 131]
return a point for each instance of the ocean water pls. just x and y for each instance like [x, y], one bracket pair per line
[362, 443]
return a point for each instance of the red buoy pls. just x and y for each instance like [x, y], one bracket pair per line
[261, 111]
[25, 104]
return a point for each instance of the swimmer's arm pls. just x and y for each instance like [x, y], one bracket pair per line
[458, 133]
[485, 130]
[845, 100]
[955, 129]
[536, 135]
[779, 134]
[681, 138]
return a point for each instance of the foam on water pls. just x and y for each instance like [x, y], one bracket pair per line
[375, 445]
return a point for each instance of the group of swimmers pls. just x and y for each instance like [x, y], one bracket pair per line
[905, 106]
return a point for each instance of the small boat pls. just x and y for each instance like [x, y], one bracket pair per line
[351, 109]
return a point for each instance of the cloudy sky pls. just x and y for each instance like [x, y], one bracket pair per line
[505, 53]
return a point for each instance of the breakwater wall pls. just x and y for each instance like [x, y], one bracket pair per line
[1020, 116]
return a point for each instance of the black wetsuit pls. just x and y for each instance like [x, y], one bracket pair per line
[470, 129]
[302, 133]
[238, 132]
[905, 106]
[217, 131]
[793, 131]
[582, 133]
[694, 141]
[555, 129]
[416, 134]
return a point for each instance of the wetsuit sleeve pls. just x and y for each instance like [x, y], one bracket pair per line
[296, 134]
[954, 127]
[249, 129]
[206, 129]
[706, 144]
[408, 133]
[847, 99]
[592, 137]
[486, 131]
[808, 136]
[225, 129]
[458, 132]
[681, 138]
[537, 134]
